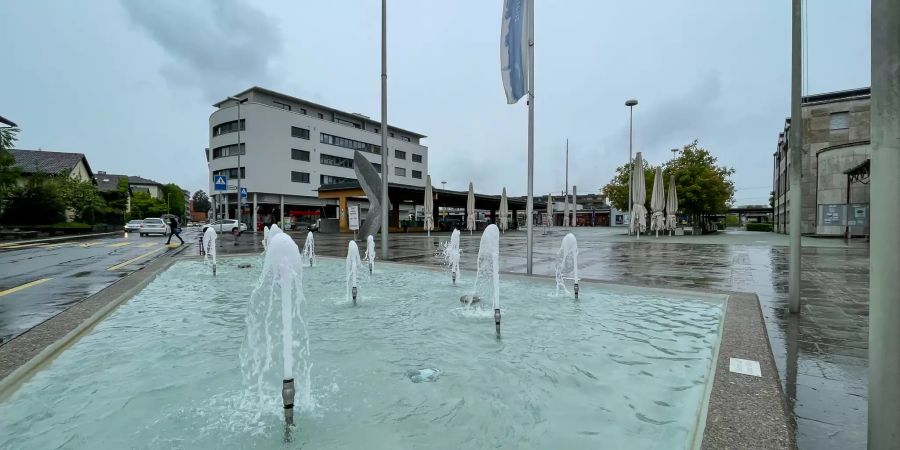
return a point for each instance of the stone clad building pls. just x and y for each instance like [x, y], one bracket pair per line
[835, 142]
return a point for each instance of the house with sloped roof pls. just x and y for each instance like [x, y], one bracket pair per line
[109, 182]
[32, 162]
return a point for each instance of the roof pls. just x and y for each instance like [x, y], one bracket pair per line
[110, 182]
[31, 161]
[220, 104]
[404, 193]
[849, 94]
[7, 122]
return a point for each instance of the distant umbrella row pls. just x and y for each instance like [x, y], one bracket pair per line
[663, 207]
[470, 208]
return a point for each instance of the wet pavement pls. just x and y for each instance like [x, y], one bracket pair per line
[821, 355]
[40, 280]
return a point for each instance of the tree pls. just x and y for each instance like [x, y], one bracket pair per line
[173, 197]
[703, 187]
[143, 206]
[9, 173]
[81, 196]
[37, 203]
[201, 201]
[617, 189]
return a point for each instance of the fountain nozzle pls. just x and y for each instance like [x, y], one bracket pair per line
[497, 319]
[454, 277]
[287, 394]
[353, 292]
[370, 267]
[214, 269]
[576, 289]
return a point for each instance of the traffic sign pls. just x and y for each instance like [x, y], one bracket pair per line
[243, 192]
[220, 182]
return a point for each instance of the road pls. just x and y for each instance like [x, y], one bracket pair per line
[39, 280]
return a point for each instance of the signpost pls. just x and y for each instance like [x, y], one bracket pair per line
[243, 196]
[220, 183]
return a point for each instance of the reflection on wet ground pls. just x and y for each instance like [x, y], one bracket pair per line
[821, 354]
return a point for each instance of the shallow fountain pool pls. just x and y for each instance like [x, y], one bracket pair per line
[409, 367]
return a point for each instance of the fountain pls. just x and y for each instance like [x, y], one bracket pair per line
[353, 263]
[487, 279]
[209, 242]
[567, 264]
[274, 309]
[450, 255]
[370, 253]
[309, 249]
[268, 234]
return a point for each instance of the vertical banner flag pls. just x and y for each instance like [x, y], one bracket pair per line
[514, 49]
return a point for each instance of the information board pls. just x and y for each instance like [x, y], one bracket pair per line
[354, 217]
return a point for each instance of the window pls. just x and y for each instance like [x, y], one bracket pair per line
[299, 177]
[392, 134]
[376, 131]
[404, 138]
[330, 179]
[231, 173]
[377, 167]
[228, 150]
[349, 143]
[416, 158]
[839, 121]
[417, 174]
[301, 133]
[299, 155]
[303, 111]
[321, 116]
[282, 105]
[399, 154]
[330, 160]
[400, 171]
[347, 122]
[228, 127]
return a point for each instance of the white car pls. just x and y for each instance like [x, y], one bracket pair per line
[133, 225]
[225, 226]
[153, 226]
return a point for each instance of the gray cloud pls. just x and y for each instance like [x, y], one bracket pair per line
[216, 46]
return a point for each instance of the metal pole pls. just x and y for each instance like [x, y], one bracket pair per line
[568, 217]
[239, 203]
[796, 159]
[630, 104]
[529, 204]
[884, 269]
[385, 201]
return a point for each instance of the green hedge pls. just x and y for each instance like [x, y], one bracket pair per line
[759, 226]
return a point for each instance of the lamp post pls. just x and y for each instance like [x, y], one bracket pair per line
[631, 103]
[443, 185]
[675, 152]
[238, 206]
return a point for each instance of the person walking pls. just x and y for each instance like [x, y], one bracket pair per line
[174, 230]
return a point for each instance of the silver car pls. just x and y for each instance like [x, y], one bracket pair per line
[133, 225]
[153, 226]
[225, 226]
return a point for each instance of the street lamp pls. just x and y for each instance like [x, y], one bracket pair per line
[630, 104]
[675, 152]
[239, 205]
[443, 185]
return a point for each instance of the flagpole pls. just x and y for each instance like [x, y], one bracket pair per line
[529, 206]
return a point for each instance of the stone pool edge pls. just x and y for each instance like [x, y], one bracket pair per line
[26, 354]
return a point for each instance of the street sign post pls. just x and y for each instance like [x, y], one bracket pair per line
[243, 192]
[220, 183]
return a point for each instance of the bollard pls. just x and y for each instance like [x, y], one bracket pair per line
[287, 394]
[497, 319]
[576, 289]
[354, 295]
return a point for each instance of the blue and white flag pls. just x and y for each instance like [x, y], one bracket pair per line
[514, 62]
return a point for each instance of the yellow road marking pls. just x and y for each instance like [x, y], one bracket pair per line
[148, 245]
[57, 245]
[17, 246]
[24, 286]
[88, 244]
[120, 244]
[133, 260]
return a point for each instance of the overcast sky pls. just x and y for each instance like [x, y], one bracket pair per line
[131, 83]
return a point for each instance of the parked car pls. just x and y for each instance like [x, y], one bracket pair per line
[153, 226]
[133, 225]
[225, 226]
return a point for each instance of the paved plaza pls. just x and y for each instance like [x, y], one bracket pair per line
[820, 354]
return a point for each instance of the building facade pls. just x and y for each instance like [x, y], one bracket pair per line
[290, 147]
[835, 133]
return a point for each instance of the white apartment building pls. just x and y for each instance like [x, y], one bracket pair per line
[290, 147]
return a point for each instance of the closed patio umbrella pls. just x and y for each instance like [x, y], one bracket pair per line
[549, 211]
[429, 206]
[470, 209]
[671, 206]
[639, 194]
[658, 203]
[566, 211]
[504, 210]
